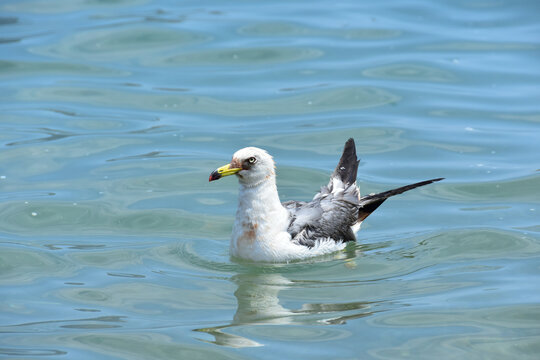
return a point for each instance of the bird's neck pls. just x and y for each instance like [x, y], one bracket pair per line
[260, 199]
[259, 208]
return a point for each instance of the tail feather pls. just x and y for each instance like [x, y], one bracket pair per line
[348, 164]
[370, 203]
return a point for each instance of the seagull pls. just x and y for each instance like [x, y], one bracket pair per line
[267, 230]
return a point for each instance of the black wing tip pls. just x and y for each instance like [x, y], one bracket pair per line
[348, 163]
[433, 180]
[400, 190]
[372, 202]
[350, 146]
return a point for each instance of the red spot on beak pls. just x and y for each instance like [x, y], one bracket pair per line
[214, 176]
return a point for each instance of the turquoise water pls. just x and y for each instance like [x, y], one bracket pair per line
[113, 245]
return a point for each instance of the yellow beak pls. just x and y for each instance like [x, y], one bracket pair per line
[225, 170]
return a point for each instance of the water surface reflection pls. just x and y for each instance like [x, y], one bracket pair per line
[259, 303]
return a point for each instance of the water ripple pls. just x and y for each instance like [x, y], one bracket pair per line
[414, 72]
[30, 352]
[21, 265]
[282, 29]
[339, 99]
[119, 43]
[489, 331]
[132, 296]
[25, 68]
[241, 57]
[53, 135]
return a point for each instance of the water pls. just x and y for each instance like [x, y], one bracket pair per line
[113, 244]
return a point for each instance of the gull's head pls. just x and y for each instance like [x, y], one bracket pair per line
[251, 165]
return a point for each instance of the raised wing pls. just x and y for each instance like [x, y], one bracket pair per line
[338, 206]
[333, 210]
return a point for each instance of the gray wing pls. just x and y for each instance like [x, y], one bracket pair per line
[338, 206]
[333, 210]
[330, 214]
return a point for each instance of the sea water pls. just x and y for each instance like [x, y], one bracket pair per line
[113, 245]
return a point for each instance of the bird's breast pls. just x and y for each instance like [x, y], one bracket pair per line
[248, 233]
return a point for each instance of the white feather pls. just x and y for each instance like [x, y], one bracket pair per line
[260, 229]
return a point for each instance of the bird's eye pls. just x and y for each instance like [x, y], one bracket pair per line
[252, 160]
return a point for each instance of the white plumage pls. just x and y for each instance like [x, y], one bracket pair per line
[267, 230]
[260, 229]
